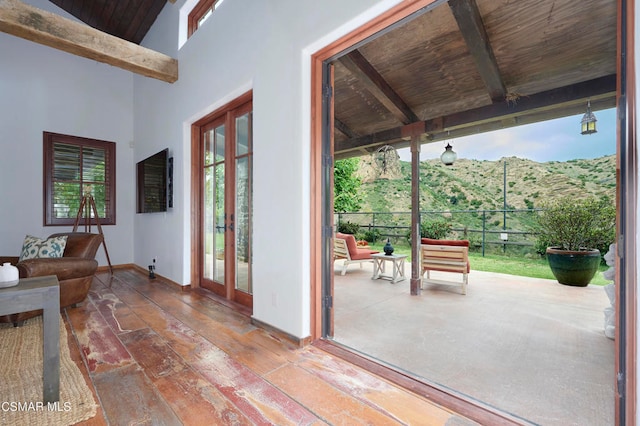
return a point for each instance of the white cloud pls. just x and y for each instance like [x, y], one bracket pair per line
[555, 140]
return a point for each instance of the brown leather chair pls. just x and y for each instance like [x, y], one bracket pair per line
[74, 270]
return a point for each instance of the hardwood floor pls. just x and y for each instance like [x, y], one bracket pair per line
[154, 354]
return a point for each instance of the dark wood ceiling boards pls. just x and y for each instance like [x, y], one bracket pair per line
[551, 43]
[127, 19]
[469, 66]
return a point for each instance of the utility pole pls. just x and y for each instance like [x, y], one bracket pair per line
[504, 201]
[415, 215]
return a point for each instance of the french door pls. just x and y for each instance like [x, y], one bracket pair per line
[226, 204]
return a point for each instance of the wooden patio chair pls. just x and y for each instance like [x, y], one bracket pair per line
[445, 256]
[345, 247]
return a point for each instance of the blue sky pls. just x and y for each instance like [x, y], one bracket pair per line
[554, 140]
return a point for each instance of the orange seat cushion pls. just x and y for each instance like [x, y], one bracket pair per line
[461, 243]
[351, 241]
[355, 252]
[362, 254]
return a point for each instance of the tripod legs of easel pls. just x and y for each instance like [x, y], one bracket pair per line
[89, 204]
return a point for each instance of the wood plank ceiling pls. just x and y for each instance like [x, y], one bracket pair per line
[469, 66]
[126, 19]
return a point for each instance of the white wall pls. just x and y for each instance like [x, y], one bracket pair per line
[44, 89]
[264, 46]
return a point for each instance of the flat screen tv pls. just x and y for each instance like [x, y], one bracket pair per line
[152, 183]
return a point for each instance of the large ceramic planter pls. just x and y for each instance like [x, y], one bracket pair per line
[576, 268]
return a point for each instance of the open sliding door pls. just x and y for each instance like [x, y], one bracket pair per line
[626, 373]
[327, 199]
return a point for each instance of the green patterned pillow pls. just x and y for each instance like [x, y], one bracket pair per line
[34, 247]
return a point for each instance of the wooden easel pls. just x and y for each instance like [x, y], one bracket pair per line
[88, 204]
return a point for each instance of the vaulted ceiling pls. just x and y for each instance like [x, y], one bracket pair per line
[126, 19]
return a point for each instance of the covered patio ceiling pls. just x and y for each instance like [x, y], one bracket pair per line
[461, 67]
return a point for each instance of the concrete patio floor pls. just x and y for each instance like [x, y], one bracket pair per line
[531, 347]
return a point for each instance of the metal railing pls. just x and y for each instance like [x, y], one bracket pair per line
[484, 228]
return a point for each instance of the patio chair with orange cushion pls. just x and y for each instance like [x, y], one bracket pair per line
[445, 256]
[345, 247]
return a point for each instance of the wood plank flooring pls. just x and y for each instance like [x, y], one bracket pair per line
[154, 354]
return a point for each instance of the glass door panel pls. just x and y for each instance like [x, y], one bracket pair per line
[214, 207]
[219, 225]
[243, 228]
[243, 211]
[243, 136]
[209, 235]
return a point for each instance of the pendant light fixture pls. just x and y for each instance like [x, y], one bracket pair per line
[448, 156]
[384, 156]
[588, 123]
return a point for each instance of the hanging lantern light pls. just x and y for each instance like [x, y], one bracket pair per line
[448, 156]
[384, 156]
[588, 123]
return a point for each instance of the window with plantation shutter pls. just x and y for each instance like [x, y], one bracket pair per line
[74, 166]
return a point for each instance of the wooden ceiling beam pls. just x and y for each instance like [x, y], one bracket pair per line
[371, 79]
[547, 100]
[475, 35]
[49, 29]
[525, 110]
[344, 129]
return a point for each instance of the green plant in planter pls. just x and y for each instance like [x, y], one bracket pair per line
[577, 224]
[574, 233]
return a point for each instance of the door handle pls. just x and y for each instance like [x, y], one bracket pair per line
[231, 224]
[222, 227]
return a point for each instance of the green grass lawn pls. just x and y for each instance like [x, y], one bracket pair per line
[524, 267]
[535, 268]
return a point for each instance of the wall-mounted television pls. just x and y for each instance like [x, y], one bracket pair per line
[152, 183]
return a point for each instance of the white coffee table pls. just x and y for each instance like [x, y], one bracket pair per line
[379, 262]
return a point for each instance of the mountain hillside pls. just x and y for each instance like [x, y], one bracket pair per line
[475, 185]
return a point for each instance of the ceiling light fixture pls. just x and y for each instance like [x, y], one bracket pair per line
[381, 156]
[588, 123]
[448, 156]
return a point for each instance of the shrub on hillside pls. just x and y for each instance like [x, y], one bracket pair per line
[371, 235]
[348, 228]
[437, 229]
